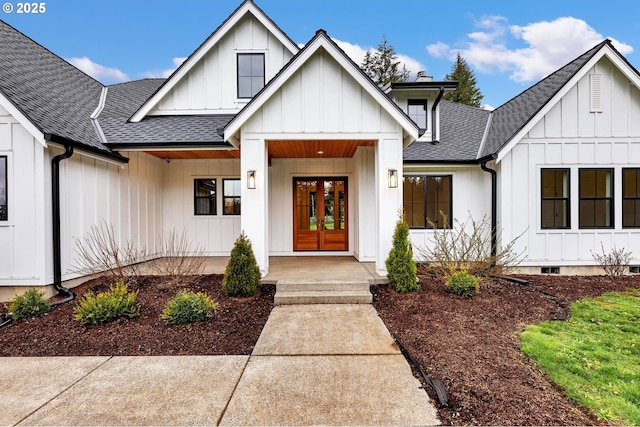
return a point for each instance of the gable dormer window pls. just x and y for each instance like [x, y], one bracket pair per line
[417, 111]
[250, 74]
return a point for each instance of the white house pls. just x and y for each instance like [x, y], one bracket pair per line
[302, 151]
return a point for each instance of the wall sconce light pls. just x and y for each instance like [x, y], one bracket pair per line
[251, 180]
[393, 178]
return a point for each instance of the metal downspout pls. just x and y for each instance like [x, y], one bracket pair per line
[55, 205]
[433, 115]
[494, 209]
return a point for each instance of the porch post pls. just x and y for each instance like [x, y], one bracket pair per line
[389, 200]
[255, 213]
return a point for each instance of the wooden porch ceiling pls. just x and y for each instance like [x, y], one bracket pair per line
[278, 149]
[315, 148]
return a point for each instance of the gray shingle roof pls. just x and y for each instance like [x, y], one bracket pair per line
[508, 119]
[54, 95]
[461, 130]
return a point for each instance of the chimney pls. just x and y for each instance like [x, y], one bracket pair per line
[422, 77]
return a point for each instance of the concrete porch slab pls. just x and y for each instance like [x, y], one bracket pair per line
[325, 329]
[136, 391]
[329, 390]
[316, 269]
[28, 383]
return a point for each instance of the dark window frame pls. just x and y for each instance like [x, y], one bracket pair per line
[566, 199]
[4, 209]
[610, 198]
[197, 198]
[419, 102]
[238, 76]
[425, 202]
[635, 199]
[225, 197]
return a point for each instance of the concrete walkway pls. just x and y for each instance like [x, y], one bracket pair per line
[312, 365]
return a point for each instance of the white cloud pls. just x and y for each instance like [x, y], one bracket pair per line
[99, 72]
[357, 53]
[164, 73]
[549, 46]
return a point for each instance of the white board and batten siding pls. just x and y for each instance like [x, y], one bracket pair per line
[215, 234]
[22, 237]
[571, 135]
[209, 85]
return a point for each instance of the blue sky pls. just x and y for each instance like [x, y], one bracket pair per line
[510, 45]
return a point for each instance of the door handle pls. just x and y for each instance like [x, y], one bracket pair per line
[321, 228]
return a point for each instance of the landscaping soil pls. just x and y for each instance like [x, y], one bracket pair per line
[470, 344]
[234, 328]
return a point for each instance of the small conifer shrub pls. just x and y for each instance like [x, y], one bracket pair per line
[188, 307]
[117, 302]
[30, 304]
[460, 282]
[242, 274]
[401, 268]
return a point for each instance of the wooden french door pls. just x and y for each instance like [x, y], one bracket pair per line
[320, 214]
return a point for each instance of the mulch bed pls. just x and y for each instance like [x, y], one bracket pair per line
[471, 345]
[234, 329]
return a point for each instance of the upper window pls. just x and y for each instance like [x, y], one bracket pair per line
[250, 74]
[426, 199]
[3, 189]
[417, 111]
[555, 198]
[596, 198]
[231, 197]
[204, 196]
[631, 198]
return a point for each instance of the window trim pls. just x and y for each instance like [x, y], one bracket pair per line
[637, 170]
[224, 197]
[567, 198]
[422, 102]
[196, 197]
[6, 187]
[610, 198]
[425, 201]
[264, 77]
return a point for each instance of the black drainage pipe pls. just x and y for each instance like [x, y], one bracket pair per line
[494, 210]
[55, 194]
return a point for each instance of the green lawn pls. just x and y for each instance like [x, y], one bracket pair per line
[595, 355]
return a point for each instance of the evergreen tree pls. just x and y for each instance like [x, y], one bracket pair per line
[467, 92]
[383, 65]
[242, 275]
[401, 268]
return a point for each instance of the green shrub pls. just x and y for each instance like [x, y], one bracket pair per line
[401, 268]
[188, 307]
[460, 282]
[30, 304]
[117, 302]
[242, 275]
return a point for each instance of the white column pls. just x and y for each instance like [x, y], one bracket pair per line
[255, 213]
[389, 200]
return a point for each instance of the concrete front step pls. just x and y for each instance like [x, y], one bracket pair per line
[329, 292]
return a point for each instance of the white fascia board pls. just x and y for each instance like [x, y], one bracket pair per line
[605, 51]
[247, 7]
[320, 42]
[37, 134]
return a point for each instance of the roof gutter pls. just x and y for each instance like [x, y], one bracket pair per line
[93, 150]
[494, 209]
[55, 207]
[433, 115]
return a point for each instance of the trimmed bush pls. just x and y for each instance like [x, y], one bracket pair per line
[401, 268]
[188, 307]
[460, 282]
[30, 304]
[242, 275]
[117, 302]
